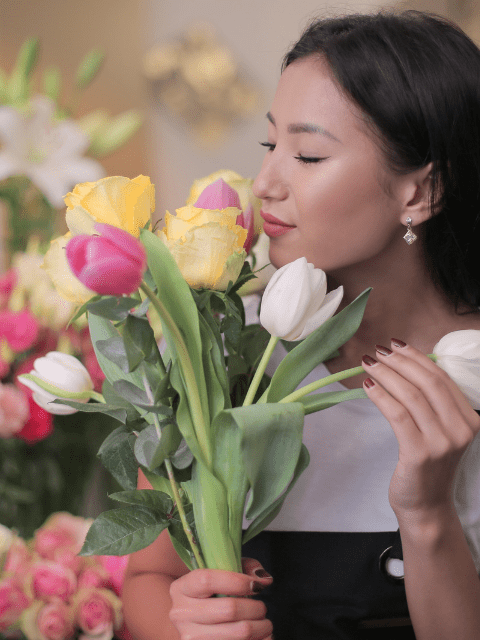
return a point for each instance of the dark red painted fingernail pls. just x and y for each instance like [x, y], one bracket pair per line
[256, 587]
[369, 383]
[399, 343]
[369, 360]
[385, 351]
[261, 573]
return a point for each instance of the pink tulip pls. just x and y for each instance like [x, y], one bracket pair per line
[246, 220]
[19, 329]
[112, 263]
[220, 195]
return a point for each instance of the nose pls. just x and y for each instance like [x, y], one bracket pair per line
[269, 183]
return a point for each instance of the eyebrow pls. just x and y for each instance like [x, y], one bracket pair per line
[305, 127]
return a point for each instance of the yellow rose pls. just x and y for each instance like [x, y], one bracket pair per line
[243, 186]
[206, 244]
[116, 200]
[56, 265]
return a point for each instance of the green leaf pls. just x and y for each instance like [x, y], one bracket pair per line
[96, 407]
[315, 348]
[270, 513]
[123, 531]
[116, 133]
[88, 68]
[18, 83]
[214, 365]
[178, 302]
[318, 401]
[155, 500]
[139, 341]
[182, 457]
[271, 440]
[51, 83]
[150, 450]
[112, 307]
[112, 398]
[116, 454]
[82, 309]
[114, 350]
[178, 537]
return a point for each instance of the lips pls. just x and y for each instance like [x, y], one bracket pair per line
[273, 227]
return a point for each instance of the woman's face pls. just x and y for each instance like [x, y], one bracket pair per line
[323, 175]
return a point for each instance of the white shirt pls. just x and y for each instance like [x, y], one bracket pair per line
[353, 454]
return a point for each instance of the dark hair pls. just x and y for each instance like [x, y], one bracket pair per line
[417, 78]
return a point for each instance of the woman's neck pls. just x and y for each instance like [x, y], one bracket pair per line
[404, 303]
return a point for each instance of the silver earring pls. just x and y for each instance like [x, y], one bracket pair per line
[409, 237]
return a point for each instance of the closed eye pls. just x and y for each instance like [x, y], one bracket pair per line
[308, 160]
[270, 146]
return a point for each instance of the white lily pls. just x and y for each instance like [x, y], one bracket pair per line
[296, 302]
[58, 372]
[458, 354]
[48, 152]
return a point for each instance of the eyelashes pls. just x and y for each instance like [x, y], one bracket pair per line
[303, 159]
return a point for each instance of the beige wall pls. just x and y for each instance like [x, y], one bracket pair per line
[68, 29]
[259, 33]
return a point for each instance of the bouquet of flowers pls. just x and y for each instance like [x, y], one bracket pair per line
[36, 454]
[48, 592]
[43, 143]
[210, 451]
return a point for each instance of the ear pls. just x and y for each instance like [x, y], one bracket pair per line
[416, 195]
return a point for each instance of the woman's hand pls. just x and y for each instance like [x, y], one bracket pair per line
[433, 423]
[197, 615]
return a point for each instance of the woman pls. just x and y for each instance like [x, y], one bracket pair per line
[374, 131]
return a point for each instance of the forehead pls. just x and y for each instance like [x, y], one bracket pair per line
[308, 93]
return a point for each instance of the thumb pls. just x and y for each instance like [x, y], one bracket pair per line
[254, 568]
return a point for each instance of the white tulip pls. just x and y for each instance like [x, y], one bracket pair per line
[458, 354]
[296, 302]
[63, 371]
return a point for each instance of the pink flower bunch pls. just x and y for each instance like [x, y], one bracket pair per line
[33, 322]
[48, 592]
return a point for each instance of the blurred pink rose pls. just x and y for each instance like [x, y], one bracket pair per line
[18, 559]
[54, 621]
[97, 611]
[19, 329]
[7, 284]
[14, 410]
[61, 530]
[95, 576]
[69, 558]
[12, 601]
[116, 567]
[52, 580]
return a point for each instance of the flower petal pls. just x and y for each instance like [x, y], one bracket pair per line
[330, 304]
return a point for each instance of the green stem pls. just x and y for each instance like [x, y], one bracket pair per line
[173, 483]
[181, 511]
[262, 365]
[194, 400]
[324, 382]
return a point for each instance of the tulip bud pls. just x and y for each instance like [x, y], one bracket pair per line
[63, 372]
[295, 301]
[110, 264]
[458, 354]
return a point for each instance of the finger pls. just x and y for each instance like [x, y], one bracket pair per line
[244, 630]
[409, 399]
[253, 568]
[204, 583]
[403, 425]
[212, 611]
[417, 356]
